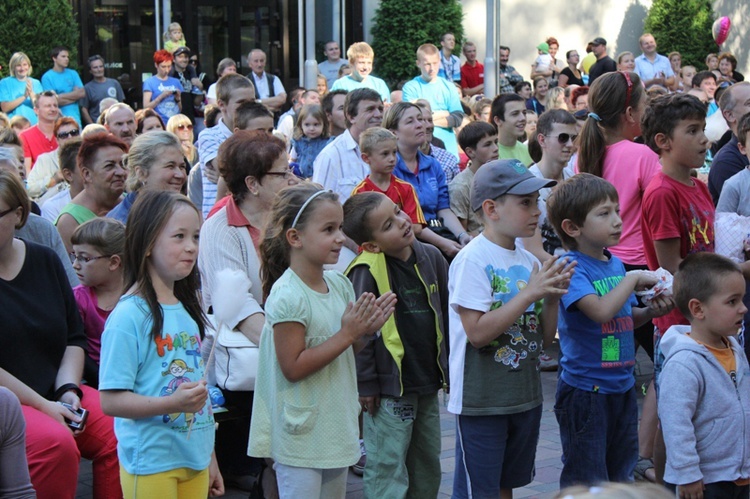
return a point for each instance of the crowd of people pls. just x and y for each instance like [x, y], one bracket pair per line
[324, 262]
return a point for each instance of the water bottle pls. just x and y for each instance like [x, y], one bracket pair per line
[217, 398]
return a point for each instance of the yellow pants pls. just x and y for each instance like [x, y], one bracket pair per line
[180, 483]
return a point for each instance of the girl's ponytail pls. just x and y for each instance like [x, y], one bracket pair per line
[609, 97]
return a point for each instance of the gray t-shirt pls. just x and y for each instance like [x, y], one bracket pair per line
[735, 195]
[96, 92]
[41, 231]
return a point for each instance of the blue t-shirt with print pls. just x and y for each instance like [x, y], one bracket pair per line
[168, 107]
[596, 357]
[132, 360]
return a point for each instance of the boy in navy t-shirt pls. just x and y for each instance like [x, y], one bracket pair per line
[596, 403]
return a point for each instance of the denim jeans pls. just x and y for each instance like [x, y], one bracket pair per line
[599, 435]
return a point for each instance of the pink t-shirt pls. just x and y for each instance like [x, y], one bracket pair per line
[93, 319]
[630, 167]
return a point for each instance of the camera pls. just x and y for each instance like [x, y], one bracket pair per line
[83, 413]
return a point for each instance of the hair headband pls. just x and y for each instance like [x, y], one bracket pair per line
[304, 205]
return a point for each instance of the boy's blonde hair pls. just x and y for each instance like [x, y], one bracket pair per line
[359, 50]
[427, 49]
[371, 137]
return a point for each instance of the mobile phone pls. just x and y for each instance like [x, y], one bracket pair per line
[76, 425]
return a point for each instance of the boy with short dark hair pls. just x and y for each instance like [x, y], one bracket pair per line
[378, 147]
[400, 372]
[503, 308]
[678, 213]
[597, 348]
[508, 113]
[478, 140]
[253, 116]
[704, 401]
[706, 81]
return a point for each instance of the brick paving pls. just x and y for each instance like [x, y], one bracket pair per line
[548, 464]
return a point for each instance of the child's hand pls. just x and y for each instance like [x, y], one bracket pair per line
[552, 280]
[370, 405]
[191, 396]
[661, 305]
[644, 278]
[691, 490]
[359, 317]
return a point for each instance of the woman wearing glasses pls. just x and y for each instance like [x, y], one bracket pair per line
[180, 125]
[155, 162]
[46, 173]
[41, 361]
[255, 167]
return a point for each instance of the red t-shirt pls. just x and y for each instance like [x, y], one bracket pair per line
[471, 76]
[672, 210]
[400, 192]
[35, 143]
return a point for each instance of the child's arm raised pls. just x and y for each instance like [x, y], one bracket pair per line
[602, 309]
[548, 282]
[188, 397]
[364, 317]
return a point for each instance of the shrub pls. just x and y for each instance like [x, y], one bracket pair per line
[683, 26]
[35, 27]
[403, 25]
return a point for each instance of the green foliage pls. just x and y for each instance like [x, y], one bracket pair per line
[683, 26]
[34, 27]
[403, 25]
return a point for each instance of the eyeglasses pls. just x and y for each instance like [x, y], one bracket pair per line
[183, 127]
[286, 174]
[5, 212]
[193, 61]
[85, 259]
[563, 138]
[72, 133]
[630, 88]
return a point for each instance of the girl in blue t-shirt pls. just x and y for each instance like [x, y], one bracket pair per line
[305, 406]
[151, 373]
[310, 137]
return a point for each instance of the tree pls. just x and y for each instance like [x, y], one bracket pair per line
[683, 26]
[403, 25]
[34, 27]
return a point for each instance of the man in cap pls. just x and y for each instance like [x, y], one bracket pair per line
[604, 63]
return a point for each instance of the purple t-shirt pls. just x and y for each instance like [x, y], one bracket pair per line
[93, 319]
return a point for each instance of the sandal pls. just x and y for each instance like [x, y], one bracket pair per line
[644, 464]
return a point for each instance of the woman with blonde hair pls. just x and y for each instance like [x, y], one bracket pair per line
[18, 90]
[180, 125]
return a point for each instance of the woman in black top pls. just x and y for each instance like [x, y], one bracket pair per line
[571, 75]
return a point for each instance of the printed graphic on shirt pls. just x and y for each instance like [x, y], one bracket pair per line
[178, 371]
[617, 349]
[515, 344]
[699, 230]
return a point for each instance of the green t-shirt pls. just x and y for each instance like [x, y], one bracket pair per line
[520, 151]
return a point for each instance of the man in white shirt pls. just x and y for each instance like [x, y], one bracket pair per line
[653, 68]
[268, 88]
[339, 166]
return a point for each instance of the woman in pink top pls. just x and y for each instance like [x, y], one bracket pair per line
[98, 247]
[606, 149]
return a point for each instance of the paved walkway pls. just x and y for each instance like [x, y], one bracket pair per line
[548, 453]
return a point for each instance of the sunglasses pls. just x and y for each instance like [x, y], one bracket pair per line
[193, 61]
[563, 138]
[183, 127]
[65, 135]
[5, 212]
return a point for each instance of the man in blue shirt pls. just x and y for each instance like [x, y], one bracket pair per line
[653, 68]
[65, 82]
[450, 64]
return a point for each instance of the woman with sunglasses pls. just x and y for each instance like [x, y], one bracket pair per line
[606, 149]
[41, 361]
[46, 173]
[155, 162]
[180, 125]
[255, 167]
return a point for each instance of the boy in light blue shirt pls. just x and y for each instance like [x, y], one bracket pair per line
[360, 56]
[66, 83]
